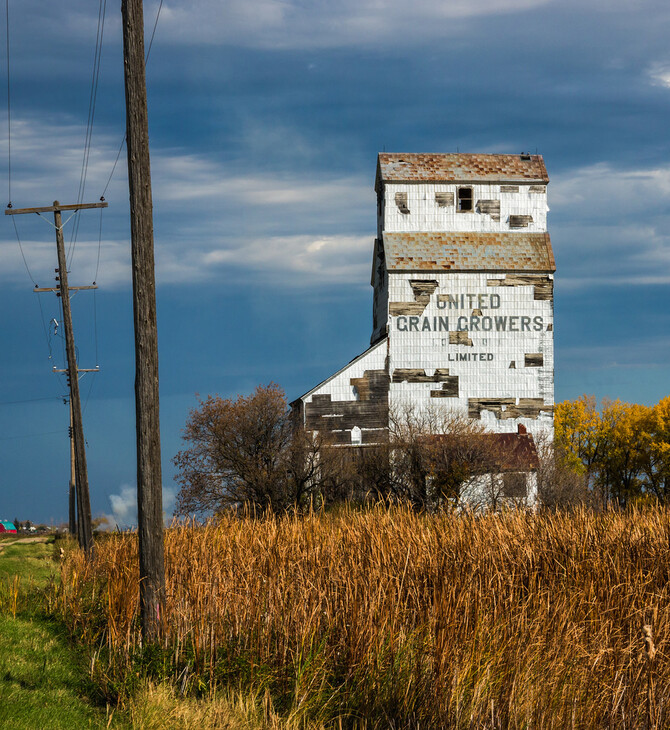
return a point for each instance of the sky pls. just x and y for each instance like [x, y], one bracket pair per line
[265, 119]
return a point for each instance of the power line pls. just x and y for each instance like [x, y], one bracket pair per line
[9, 112]
[153, 33]
[146, 61]
[31, 435]
[30, 400]
[102, 7]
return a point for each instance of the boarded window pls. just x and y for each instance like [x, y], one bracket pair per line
[520, 221]
[515, 485]
[465, 200]
[444, 200]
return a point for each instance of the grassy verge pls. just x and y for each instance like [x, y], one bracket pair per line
[43, 680]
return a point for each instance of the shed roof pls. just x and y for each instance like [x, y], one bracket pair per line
[509, 451]
[416, 167]
[468, 252]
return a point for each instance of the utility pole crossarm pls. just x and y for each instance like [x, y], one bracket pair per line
[70, 288]
[53, 208]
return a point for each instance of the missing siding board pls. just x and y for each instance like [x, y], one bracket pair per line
[537, 189]
[520, 221]
[509, 188]
[489, 207]
[444, 200]
[369, 412]
[418, 375]
[544, 285]
[422, 290]
[401, 202]
[459, 338]
[504, 408]
[369, 436]
[476, 312]
[398, 308]
[534, 360]
[449, 388]
[512, 365]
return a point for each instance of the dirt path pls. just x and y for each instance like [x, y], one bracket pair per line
[23, 540]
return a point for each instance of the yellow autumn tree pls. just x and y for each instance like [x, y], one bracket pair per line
[578, 436]
[615, 447]
[625, 441]
[656, 459]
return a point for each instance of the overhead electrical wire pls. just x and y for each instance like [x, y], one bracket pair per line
[9, 112]
[30, 400]
[146, 61]
[95, 78]
[32, 435]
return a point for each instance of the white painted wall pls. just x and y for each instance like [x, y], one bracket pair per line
[426, 215]
[484, 489]
[339, 387]
[490, 377]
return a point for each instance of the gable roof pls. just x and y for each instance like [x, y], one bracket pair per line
[468, 252]
[415, 167]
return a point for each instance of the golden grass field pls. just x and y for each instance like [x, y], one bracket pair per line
[389, 618]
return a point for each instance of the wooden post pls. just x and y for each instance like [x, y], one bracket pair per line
[149, 481]
[84, 526]
[85, 530]
[72, 503]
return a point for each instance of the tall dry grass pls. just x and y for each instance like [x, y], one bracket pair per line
[388, 618]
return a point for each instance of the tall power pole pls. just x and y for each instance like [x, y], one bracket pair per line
[149, 480]
[85, 531]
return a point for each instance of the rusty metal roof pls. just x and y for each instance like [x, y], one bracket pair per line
[508, 451]
[414, 167]
[468, 252]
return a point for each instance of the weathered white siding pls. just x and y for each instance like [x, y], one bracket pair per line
[503, 331]
[422, 212]
[339, 386]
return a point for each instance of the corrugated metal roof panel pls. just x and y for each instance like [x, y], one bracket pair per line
[413, 167]
[468, 252]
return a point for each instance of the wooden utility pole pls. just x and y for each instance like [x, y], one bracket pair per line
[85, 531]
[149, 480]
[72, 499]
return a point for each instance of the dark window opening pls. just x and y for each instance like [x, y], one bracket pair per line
[465, 200]
[514, 485]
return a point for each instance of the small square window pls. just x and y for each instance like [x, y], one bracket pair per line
[465, 198]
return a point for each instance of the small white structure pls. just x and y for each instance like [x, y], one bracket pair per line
[463, 274]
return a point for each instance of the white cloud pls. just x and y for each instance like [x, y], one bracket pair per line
[611, 226]
[210, 219]
[318, 24]
[659, 73]
[124, 507]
